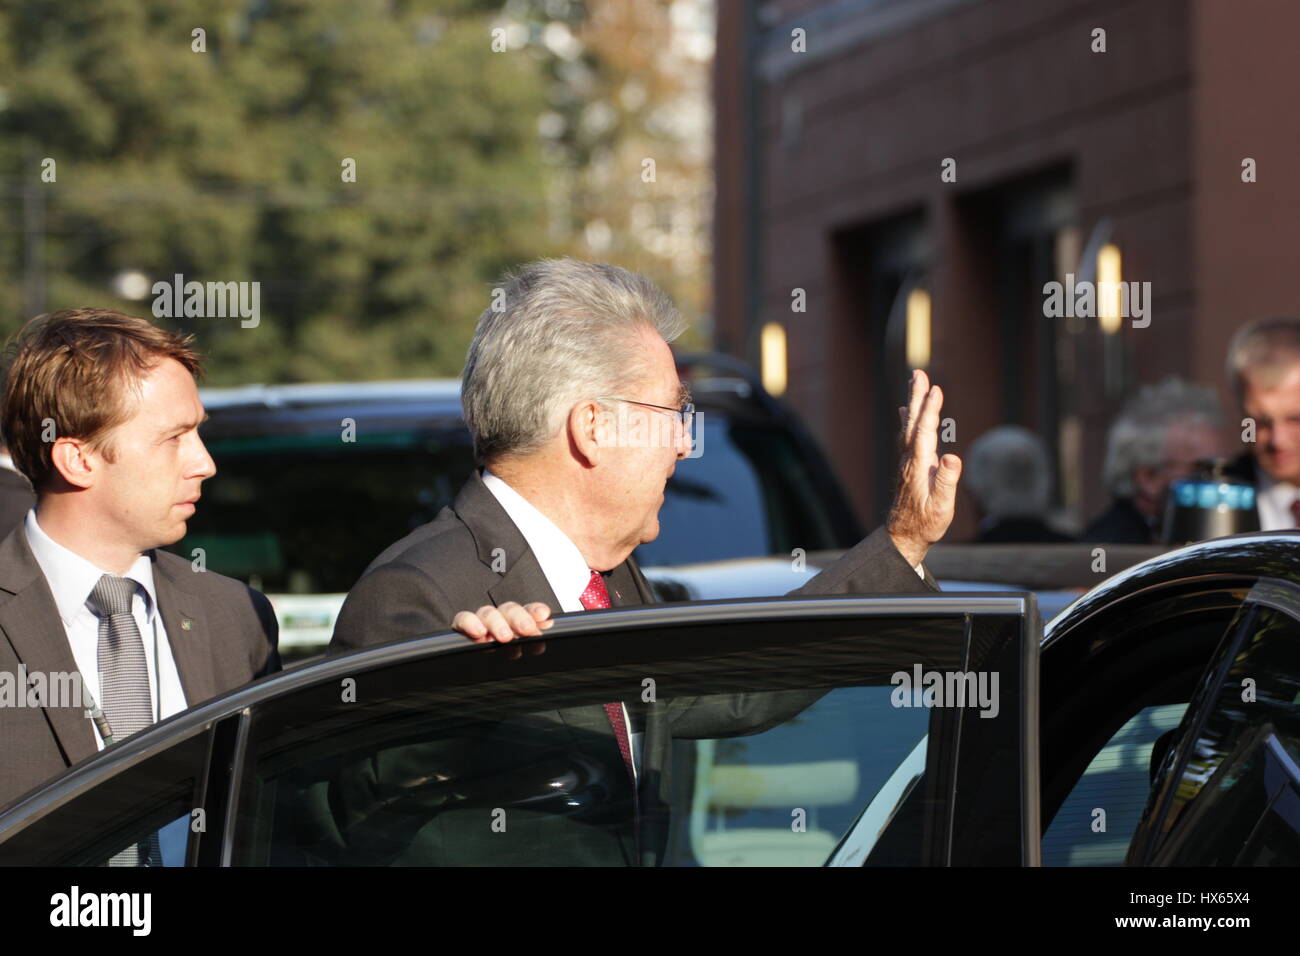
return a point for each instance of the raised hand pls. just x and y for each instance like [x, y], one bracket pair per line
[927, 484]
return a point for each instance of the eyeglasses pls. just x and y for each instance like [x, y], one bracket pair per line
[685, 414]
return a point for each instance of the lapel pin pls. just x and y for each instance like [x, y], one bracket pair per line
[187, 624]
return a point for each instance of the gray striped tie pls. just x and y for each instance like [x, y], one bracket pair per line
[123, 681]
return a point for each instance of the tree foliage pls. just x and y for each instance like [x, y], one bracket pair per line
[220, 157]
[226, 165]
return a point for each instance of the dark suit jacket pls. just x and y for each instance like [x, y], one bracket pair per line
[417, 585]
[1121, 523]
[16, 499]
[231, 639]
[1246, 469]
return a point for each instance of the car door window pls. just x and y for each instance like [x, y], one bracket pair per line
[1226, 793]
[1248, 812]
[755, 741]
[1117, 782]
[788, 795]
[142, 815]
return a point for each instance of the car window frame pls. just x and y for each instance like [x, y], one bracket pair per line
[1268, 592]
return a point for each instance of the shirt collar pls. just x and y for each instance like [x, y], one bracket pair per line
[561, 561]
[71, 577]
[1281, 491]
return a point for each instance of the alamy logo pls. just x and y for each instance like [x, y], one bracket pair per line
[636, 427]
[75, 908]
[39, 689]
[946, 689]
[211, 300]
[1091, 300]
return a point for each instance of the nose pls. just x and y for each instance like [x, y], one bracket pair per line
[683, 441]
[204, 467]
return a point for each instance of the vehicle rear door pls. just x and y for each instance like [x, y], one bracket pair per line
[852, 730]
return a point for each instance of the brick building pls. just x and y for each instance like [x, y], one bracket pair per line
[836, 122]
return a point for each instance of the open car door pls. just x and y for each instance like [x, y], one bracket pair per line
[897, 730]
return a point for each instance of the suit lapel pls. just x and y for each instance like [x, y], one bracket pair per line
[500, 544]
[636, 589]
[621, 587]
[188, 632]
[524, 582]
[30, 619]
[496, 538]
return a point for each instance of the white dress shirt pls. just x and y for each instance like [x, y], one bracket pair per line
[1273, 499]
[71, 579]
[562, 563]
[566, 571]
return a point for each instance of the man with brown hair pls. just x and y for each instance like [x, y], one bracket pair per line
[101, 414]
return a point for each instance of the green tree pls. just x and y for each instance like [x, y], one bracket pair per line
[226, 165]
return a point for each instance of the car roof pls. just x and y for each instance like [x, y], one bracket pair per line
[439, 390]
[432, 402]
[1230, 558]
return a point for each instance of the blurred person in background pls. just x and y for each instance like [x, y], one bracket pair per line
[1011, 480]
[1157, 438]
[1264, 368]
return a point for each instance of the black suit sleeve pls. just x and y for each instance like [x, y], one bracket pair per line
[874, 565]
[391, 603]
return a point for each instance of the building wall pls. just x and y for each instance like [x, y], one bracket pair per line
[1246, 236]
[1151, 133]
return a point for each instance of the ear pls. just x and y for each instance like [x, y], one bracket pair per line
[591, 431]
[75, 461]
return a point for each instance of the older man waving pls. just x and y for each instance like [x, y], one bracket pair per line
[579, 418]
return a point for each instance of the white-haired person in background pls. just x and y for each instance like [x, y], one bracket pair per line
[1009, 476]
[1156, 439]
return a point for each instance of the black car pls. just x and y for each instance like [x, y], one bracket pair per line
[1118, 734]
[313, 481]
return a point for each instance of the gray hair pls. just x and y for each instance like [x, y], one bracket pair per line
[557, 331]
[1137, 436]
[1263, 351]
[1008, 473]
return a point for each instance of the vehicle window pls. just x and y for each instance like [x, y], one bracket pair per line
[749, 494]
[861, 840]
[1248, 813]
[1118, 782]
[305, 514]
[788, 796]
[763, 746]
[142, 816]
[1238, 746]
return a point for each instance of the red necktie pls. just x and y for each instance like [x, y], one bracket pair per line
[1295, 511]
[596, 597]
